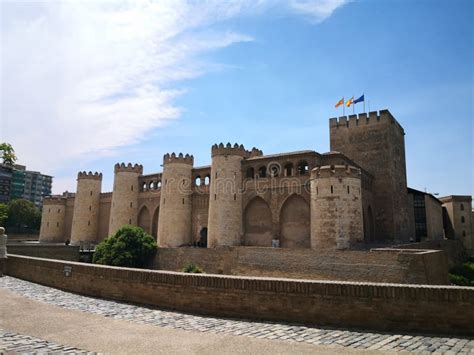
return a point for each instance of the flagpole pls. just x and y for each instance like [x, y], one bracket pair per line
[364, 103]
[353, 108]
[343, 107]
[368, 102]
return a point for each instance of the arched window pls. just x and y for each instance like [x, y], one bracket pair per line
[462, 207]
[143, 187]
[289, 169]
[158, 184]
[207, 180]
[262, 172]
[463, 233]
[250, 173]
[151, 186]
[462, 219]
[197, 181]
[303, 168]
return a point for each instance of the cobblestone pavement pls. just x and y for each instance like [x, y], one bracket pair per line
[17, 343]
[313, 335]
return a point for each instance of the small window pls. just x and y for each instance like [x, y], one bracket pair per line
[57, 224]
[131, 204]
[332, 189]
[158, 185]
[235, 197]
[88, 223]
[317, 190]
[131, 188]
[303, 168]
[462, 206]
[90, 208]
[215, 197]
[49, 210]
[463, 233]
[262, 172]
[250, 173]
[91, 193]
[197, 181]
[130, 221]
[183, 201]
[143, 187]
[47, 224]
[207, 180]
[289, 169]
[348, 189]
[59, 210]
[462, 219]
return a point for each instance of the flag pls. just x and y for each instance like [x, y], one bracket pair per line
[339, 103]
[360, 99]
[350, 101]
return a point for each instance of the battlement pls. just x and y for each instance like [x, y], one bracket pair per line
[362, 119]
[236, 149]
[341, 171]
[89, 175]
[180, 158]
[106, 194]
[137, 168]
[54, 200]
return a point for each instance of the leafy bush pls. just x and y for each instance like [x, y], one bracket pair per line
[192, 268]
[462, 275]
[129, 247]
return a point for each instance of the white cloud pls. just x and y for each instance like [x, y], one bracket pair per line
[80, 79]
[316, 10]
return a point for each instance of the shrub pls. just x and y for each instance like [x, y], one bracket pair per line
[192, 268]
[462, 275]
[129, 247]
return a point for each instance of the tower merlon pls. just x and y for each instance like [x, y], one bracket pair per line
[137, 168]
[89, 175]
[180, 158]
[236, 149]
[327, 171]
[54, 200]
[374, 117]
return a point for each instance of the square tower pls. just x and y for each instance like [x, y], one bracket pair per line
[376, 142]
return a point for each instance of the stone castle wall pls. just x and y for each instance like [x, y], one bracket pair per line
[376, 142]
[53, 219]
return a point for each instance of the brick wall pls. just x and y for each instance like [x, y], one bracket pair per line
[62, 252]
[434, 309]
[384, 265]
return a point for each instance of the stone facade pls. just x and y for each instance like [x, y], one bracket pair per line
[301, 199]
[457, 218]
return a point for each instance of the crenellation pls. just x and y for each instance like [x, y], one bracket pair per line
[122, 167]
[89, 175]
[228, 149]
[178, 158]
[336, 171]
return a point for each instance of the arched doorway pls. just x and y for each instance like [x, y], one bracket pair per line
[154, 224]
[202, 243]
[258, 223]
[144, 219]
[294, 223]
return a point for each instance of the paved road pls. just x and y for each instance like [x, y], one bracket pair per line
[279, 333]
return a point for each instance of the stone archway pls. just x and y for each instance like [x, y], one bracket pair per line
[144, 219]
[295, 223]
[258, 224]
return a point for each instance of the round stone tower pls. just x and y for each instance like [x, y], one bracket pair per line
[225, 196]
[174, 222]
[336, 207]
[85, 219]
[124, 209]
[53, 219]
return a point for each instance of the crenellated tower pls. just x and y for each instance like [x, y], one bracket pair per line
[174, 222]
[377, 143]
[336, 207]
[85, 220]
[53, 219]
[124, 209]
[225, 196]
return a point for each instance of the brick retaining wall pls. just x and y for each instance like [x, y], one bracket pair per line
[44, 250]
[434, 309]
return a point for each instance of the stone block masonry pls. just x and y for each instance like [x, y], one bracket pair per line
[434, 309]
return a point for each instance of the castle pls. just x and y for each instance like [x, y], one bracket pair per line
[355, 193]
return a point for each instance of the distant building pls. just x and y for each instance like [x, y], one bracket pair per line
[5, 183]
[17, 182]
[457, 219]
[427, 216]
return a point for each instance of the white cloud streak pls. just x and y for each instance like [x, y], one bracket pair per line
[80, 79]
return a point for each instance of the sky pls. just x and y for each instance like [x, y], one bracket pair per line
[87, 84]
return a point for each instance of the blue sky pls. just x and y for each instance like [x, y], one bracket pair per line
[135, 82]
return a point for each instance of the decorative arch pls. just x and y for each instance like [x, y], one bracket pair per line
[144, 219]
[295, 223]
[258, 223]
[154, 223]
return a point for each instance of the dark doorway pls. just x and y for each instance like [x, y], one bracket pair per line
[202, 243]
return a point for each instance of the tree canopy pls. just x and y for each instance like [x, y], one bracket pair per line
[7, 153]
[129, 247]
[23, 214]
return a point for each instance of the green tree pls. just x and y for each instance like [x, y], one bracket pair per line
[3, 213]
[7, 154]
[129, 247]
[23, 214]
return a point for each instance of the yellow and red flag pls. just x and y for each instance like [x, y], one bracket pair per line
[339, 103]
[349, 102]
